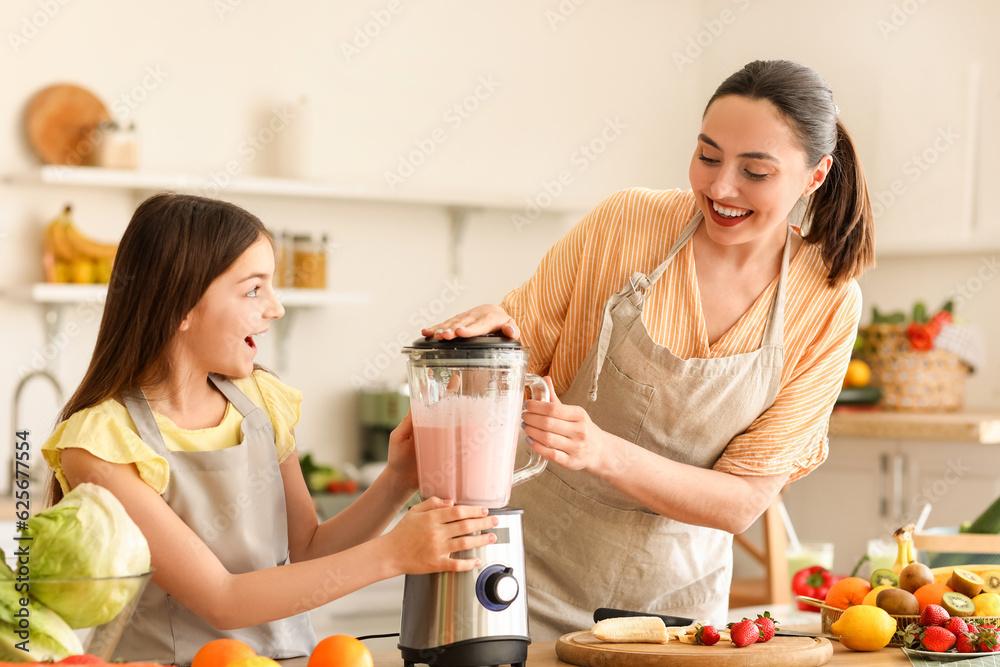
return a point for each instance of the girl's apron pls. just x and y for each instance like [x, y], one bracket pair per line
[234, 500]
[588, 545]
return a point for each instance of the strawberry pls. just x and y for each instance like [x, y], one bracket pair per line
[937, 639]
[707, 635]
[767, 626]
[957, 625]
[910, 636]
[933, 614]
[744, 633]
[986, 638]
[965, 643]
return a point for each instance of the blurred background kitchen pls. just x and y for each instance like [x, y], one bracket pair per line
[432, 152]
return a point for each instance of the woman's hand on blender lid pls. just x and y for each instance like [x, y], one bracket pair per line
[479, 321]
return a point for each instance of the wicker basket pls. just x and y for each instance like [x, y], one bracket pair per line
[911, 380]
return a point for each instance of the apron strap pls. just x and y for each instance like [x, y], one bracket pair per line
[635, 290]
[142, 416]
[239, 400]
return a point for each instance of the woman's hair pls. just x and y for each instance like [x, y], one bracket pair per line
[840, 213]
[173, 248]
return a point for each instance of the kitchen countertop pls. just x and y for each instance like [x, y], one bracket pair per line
[967, 427]
[543, 654]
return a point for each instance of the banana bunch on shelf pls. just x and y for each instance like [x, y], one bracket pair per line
[71, 257]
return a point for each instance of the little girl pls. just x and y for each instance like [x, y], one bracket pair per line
[175, 419]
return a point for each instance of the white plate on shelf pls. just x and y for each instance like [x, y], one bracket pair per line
[949, 656]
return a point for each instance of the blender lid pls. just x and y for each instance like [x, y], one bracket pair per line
[492, 341]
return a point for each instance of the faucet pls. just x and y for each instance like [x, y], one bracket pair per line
[15, 411]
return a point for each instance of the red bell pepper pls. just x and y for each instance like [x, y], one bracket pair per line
[935, 323]
[920, 337]
[813, 582]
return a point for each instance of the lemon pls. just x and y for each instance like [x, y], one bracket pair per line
[858, 374]
[864, 628]
[870, 598]
[987, 604]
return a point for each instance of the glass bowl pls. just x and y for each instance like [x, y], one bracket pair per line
[37, 613]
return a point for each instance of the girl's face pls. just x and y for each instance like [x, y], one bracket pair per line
[218, 333]
[748, 170]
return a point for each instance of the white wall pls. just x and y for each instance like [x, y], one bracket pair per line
[198, 79]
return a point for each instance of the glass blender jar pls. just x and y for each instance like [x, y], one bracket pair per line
[465, 400]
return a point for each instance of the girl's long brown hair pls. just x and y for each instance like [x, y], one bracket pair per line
[839, 213]
[173, 248]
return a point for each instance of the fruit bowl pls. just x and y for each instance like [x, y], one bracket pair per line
[829, 615]
[53, 617]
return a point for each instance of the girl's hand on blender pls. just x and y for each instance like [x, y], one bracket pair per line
[479, 321]
[564, 434]
[402, 463]
[430, 532]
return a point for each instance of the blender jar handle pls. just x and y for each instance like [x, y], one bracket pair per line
[536, 464]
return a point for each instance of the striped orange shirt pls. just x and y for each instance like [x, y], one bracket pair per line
[559, 313]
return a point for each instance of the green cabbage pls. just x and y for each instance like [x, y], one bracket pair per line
[31, 632]
[86, 535]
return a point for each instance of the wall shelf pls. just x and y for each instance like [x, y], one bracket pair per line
[55, 296]
[126, 179]
[64, 293]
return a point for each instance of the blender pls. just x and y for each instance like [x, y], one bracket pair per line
[465, 400]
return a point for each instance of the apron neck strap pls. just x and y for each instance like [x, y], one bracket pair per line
[233, 394]
[142, 416]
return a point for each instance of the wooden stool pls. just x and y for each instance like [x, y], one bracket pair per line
[774, 588]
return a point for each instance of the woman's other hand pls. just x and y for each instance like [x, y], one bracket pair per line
[564, 434]
[479, 321]
[430, 532]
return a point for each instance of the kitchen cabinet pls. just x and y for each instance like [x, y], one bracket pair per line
[869, 486]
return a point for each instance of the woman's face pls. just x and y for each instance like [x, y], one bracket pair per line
[748, 170]
[218, 333]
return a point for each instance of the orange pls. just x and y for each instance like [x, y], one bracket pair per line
[221, 652]
[848, 592]
[340, 651]
[255, 661]
[858, 374]
[930, 594]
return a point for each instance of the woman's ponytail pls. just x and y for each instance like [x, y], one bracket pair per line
[840, 215]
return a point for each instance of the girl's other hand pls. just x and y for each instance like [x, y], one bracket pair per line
[479, 321]
[423, 541]
[402, 463]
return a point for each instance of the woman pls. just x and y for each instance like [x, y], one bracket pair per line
[696, 341]
[196, 441]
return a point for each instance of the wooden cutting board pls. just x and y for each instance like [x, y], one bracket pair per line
[61, 121]
[583, 649]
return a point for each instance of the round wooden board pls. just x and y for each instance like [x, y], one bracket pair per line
[58, 120]
[583, 649]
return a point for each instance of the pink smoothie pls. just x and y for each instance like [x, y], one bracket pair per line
[465, 448]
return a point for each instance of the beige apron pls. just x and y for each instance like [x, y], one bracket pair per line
[588, 545]
[234, 500]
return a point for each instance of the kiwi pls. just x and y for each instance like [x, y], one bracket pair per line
[957, 604]
[967, 583]
[915, 575]
[991, 581]
[885, 577]
[897, 602]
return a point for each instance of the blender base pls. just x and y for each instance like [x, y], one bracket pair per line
[485, 652]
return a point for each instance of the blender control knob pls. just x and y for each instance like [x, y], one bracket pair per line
[502, 588]
[497, 587]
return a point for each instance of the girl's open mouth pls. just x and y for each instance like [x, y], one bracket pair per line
[250, 341]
